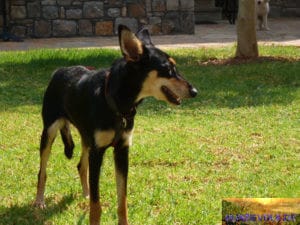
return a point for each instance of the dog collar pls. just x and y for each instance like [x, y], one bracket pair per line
[124, 118]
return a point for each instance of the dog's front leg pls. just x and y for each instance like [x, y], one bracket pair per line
[121, 167]
[265, 22]
[259, 21]
[95, 161]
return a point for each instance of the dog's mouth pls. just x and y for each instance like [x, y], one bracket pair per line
[171, 96]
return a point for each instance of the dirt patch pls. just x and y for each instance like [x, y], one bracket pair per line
[238, 61]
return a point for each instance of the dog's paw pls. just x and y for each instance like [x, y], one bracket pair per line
[39, 204]
[86, 193]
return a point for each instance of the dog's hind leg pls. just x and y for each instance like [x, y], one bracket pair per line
[83, 169]
[67, 139]
[259, 22]
[265, 22]
[48, 136]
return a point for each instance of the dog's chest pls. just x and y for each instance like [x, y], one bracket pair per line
[262, 9]
[104, 138]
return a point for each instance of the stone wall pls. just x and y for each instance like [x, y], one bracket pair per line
[284, 8]
[1, 16]
[67, 18]
[206, 11]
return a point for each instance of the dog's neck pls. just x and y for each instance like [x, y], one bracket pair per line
[119, 99]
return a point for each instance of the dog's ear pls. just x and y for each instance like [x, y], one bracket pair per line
[131, 46]
[144, 36]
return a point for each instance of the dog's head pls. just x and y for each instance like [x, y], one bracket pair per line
[157, 70]
[259, 2]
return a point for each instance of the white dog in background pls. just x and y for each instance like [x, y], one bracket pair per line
[262, 11]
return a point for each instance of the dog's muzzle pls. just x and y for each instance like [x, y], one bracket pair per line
[193, 91]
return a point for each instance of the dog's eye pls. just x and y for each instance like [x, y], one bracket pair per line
[172, 71]
[168, 69]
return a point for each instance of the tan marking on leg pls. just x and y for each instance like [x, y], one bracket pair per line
[127, 138]
[39, 202]
[104, 138]
[83, 170]
[95, 213]
[51, 134]
[57, 125]
[122, 199]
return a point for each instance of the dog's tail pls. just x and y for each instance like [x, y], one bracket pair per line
[67, 140]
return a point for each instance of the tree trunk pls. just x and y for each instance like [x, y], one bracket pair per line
[246, 30]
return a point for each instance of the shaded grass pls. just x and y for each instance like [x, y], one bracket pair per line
[238, 138]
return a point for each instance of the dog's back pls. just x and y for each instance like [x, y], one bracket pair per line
[65, 88]
[65, 102]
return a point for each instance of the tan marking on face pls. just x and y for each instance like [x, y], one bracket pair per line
[152, 87]
[172, 61]
[127, 138]
[104, 138]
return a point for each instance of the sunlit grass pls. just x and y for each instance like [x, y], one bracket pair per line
[238, 138]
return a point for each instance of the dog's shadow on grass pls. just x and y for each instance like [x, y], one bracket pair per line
[29, 215]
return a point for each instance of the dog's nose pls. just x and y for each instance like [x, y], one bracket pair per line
[193, 92]
[259, 2]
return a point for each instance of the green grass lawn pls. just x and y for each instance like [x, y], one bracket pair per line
[239, 138]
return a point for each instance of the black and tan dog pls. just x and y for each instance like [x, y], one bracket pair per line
[102, 105]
